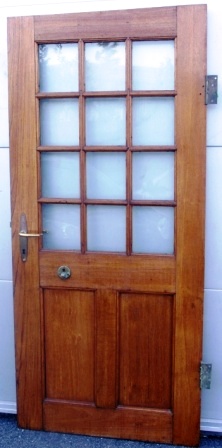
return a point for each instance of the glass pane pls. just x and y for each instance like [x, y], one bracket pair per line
[105, 66]
[153, 175]
[153, 121]
[153, 230]
[153, 65]
[62, 223]
[60, 175]
[106, 175]
[59, 122]
[106, 121]
[106, 228]
[58, 67]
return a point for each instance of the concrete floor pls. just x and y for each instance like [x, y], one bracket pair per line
[13, 437]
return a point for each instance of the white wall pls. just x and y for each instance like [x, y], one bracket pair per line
[212, 350]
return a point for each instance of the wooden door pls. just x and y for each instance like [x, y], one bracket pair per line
[114, 349]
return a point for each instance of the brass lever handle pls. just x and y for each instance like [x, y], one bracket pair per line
[28, 235]
[24, 235]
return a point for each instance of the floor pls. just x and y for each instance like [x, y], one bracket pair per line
[13, 437]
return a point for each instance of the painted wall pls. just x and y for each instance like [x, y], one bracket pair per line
[212, 349]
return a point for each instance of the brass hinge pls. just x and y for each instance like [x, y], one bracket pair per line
[205, 375]
[211, 93]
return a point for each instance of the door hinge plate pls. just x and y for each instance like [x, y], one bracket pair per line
[211, 92]
[205, 375]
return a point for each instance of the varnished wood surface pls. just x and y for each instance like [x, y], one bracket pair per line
[106, 351]
[191, 153]
[139, 23]
[153, 425]
[108, 347]
[146, 334]
[69, 344]
[27, 304]
[83, 344]
[118, 272]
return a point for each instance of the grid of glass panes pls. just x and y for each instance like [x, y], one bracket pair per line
[107, 146]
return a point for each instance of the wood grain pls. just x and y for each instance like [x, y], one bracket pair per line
[117, 272]
[191, 153]
[22, 122]
[143, 23]
[83, 345]
[153, 425]
[145, 375]
[106, 349]
[69, 344]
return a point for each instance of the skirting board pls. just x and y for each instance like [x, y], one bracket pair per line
[211, 425]
[206, 425]
[8, 407]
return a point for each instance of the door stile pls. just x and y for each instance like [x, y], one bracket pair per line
[23, 164]
[191, 114]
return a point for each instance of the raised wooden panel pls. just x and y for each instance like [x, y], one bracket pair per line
[146, 331]
[69, 344]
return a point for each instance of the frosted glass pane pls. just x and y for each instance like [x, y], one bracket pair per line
[153, 121]
[106, 228]
[62, 223]
[60, 175]
[153, 230]
[106, 121]
[106, 175]
[58, 67]
[105, 66]
[153, 65]
[153, 175]
[59, 122]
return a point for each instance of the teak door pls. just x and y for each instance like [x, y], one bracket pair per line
[107, 141]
